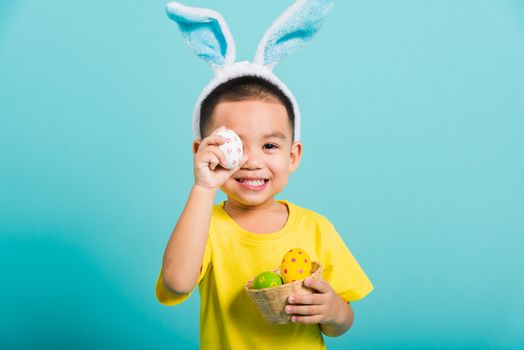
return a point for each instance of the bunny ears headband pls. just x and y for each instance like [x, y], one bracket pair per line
[208, 35]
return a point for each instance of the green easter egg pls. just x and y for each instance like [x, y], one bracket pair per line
[267, 279]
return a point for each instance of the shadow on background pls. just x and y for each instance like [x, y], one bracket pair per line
[6, 11]
[55, 296]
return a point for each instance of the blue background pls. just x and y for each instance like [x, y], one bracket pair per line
[413, 133]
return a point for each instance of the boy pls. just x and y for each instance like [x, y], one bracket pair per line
[220, 247]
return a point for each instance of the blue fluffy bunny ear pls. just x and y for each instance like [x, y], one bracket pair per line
[206, 32]
[292, 30]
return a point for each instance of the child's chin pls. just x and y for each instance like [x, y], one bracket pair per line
[250, 201]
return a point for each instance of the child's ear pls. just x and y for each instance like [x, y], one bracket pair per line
[295, 156]
[196, 144]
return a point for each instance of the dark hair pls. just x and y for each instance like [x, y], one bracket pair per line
[241, 89]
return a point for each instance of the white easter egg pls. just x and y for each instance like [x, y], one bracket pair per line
[232, 148]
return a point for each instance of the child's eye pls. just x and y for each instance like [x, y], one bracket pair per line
[270, 146]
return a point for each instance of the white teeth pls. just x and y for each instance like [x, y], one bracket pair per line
[253, 182]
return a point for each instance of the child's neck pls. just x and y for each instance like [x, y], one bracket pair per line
[268, 218]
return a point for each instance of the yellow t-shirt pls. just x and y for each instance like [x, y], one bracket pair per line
[228, 317]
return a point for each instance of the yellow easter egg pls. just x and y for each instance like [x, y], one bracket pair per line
[295, 266]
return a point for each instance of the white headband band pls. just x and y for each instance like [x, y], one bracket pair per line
[208, 35]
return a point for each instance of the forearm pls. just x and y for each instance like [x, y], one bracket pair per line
[340, 325]
[185, 249]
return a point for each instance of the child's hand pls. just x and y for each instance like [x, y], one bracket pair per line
[208, 172]
[324, 307]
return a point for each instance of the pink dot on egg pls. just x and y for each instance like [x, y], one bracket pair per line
[299, 270]
[299, 252]
[285, 270]
[293, 260]
[305, 260]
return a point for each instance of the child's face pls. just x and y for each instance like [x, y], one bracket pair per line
[266, 135]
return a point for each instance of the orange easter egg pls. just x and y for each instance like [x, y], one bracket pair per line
[295, 266]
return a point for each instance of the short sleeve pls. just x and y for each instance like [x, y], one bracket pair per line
[341, 269]
[169, 298]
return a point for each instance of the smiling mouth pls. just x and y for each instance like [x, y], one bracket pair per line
[253, 182]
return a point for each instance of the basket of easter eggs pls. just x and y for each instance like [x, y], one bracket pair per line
[270, 290]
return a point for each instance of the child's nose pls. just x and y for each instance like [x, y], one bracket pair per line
[253, 159]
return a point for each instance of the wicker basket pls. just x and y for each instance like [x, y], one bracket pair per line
[271, 302]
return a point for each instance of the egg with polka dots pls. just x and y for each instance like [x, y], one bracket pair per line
[232, 148]
[295, 266]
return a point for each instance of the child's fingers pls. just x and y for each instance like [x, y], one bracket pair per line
[206, 155]
[212, 156]
[220, 155]
[316, 319]
[309, 299]
[307, 310]
[214, 140]
[320, 285]
[211, 159]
